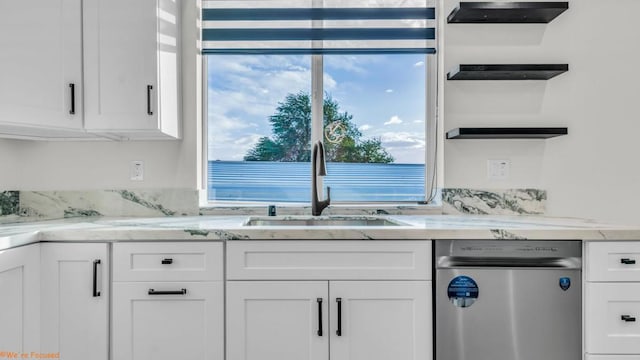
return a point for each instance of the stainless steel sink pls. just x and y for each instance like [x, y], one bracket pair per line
[322, 221]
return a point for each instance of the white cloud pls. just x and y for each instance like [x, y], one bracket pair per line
[406, 147]
[418, 121]
[389, 91]
[394, 120]
[328, 82]
[419, 63]
[364, 127]
[351, 63]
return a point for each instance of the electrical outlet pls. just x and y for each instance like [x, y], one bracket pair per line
[137, 170]
[498, 169]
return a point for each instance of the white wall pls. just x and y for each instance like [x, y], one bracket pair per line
[593, 172]
[41, 165]
[8, 165]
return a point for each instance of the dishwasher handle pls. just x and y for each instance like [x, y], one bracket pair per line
[449, 262]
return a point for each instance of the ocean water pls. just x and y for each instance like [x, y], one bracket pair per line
[291, 181]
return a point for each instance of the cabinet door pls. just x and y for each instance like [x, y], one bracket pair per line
[381, 320]
[20, 299]
[75, 315]
[270, 320]
[130, 50]
[120, 53]
[40, 57]
[164, 326]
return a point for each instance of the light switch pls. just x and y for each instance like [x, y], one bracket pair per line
[498, 169]
[137, 170]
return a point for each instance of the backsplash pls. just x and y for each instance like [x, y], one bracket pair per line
[45, 205]
[17, 206]
[9, 203]
[494, 202]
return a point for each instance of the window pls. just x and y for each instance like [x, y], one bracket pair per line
[278, 84]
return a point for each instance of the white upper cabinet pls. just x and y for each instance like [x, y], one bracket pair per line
[41, 67]
[131, 66]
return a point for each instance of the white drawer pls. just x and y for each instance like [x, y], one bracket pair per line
[329, 260]
[177, 261]
[606, 331]
[612, 357]
[613, 261]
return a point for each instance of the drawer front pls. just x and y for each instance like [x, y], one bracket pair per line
[610, 311]
[167, 261]
[612, 357]
[329, 260]
[613, 261]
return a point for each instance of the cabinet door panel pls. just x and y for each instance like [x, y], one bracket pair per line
[120, 50]
[41, 42]
[381, 320]
[270, 320]
[20, 299]
[75, 320]
[167, 327]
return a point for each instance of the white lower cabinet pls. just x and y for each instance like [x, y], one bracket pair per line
[380, 320]
[277, 320]
[20, 299]
[612, 301]
[156, 319]
[613, 318]
[302, 320]
[320, 300]
[75, 305]
[167, 321]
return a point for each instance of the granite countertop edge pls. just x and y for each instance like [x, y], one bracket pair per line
[230, 228]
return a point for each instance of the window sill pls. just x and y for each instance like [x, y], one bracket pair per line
[228, 208]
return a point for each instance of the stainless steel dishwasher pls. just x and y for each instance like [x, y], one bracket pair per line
[508, 300]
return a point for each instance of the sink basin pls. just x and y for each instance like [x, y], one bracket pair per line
[323, 221]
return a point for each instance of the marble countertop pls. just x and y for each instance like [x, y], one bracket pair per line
[220, 228]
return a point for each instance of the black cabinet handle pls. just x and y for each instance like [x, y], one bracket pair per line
[167, 261]
[149, 111]
[627, 261]
[96, 293]
[339, 330]
[319, 300]
[171, 292]
[627, 318]
[72, 88]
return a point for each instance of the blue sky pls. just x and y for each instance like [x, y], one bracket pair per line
[384, 93]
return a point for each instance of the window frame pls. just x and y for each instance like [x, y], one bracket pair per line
[317, 133]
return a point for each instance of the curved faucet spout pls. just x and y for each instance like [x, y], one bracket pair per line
[319, 168]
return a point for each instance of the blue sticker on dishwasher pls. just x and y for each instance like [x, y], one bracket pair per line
[462, 291]
[565, 283]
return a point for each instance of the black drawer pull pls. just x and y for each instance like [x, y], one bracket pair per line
[167, 261]
[339, 330]
[627, 318]
[149, 111]
[319, 300]
[171, 292]
[96, 292]
[627, 261]
[72, 110]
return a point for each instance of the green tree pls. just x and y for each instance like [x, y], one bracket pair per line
[291, 140]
